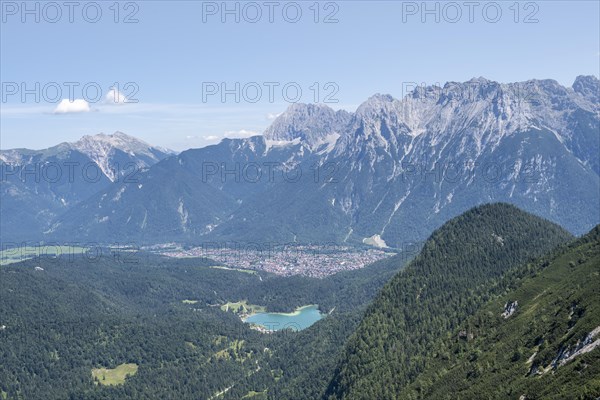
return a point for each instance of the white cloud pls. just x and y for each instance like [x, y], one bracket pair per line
[75, 106]
[242, 133]
[273, 116]
[115, 97]
[211, 137]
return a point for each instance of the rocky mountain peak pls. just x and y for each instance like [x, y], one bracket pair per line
[101, 149]
[118, 140]
[588, 86]
[311, 123]
[375, 105]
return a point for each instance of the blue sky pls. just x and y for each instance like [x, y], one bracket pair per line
[179, 53]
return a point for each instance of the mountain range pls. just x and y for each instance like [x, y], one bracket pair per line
[387, 174]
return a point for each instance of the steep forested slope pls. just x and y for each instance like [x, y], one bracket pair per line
[462, 265]
[544, 350]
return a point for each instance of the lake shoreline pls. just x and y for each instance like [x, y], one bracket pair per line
[294, 313]
[279, 318]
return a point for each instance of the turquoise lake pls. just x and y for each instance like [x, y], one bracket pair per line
[302, 318]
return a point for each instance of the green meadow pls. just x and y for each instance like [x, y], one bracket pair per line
[18, 254]
[115, 376]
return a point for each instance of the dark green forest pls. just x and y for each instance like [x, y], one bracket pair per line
[464, 264]
[558, 307]
[79, 314]
[427, 329]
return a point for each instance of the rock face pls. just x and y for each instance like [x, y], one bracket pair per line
[105, 151]
[567, 354]
[394, 170]
[313, 124]
[581, 347]
[510, 308]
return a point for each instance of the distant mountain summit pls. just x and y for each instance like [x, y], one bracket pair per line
[101, 148]
[311, 124]
[105, 151]
[589, 87]
[38, 185]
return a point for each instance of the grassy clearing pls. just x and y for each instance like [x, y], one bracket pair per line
[256, 395]
[233, 351]
[114, 376]
[18, 254]
[219, 339]
[242, 307]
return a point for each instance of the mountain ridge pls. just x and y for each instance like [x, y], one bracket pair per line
[37, 186]
[394, 168]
